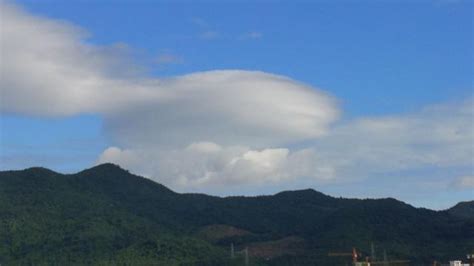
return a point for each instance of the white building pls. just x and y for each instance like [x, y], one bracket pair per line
[457, 263]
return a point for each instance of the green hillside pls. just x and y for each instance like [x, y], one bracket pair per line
[107, 216]
[463, 209]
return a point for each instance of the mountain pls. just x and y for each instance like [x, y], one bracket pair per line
[108, 216]
[463, 209]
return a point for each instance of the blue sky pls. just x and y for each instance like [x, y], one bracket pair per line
[379, 61]
[395, 56]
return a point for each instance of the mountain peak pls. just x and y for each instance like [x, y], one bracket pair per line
[106, 167]
[38, 170]
[307, 191]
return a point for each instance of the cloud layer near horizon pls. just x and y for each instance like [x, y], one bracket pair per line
[215, 129]
[437, 138]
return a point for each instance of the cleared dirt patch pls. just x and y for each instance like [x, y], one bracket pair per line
[214, 233]
[270, 249]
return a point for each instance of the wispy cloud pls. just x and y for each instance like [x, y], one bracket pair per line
[206, 30]
[443, 3]
[199, 22]
[209, 35]
[252, 35]
[167, 59]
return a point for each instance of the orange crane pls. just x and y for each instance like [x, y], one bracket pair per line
[356, 255]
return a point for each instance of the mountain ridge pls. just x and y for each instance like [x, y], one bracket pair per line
[108, 214]
[115, 167]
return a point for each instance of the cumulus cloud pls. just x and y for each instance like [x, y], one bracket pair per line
[118, 156]
[437, 137]
[207, 166]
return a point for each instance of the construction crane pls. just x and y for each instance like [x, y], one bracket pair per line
[368, 260]
[390, 262]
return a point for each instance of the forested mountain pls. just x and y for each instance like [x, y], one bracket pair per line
[105, 215]
[463, 209]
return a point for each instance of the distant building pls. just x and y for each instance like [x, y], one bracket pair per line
[457, 263]
[361, 263]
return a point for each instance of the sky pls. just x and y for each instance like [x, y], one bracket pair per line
[350, 98]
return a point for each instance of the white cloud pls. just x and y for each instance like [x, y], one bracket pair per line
[49, 69]
[207, 166]
[204, 147]
[436, 139]
[118, 156]
[227, 107]
[438, 136]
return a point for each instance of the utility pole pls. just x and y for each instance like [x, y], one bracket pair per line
[246, 252]
[385, 260]
[232, 252]
[372, 249]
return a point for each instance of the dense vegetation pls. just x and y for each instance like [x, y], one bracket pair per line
[463, 209]
[107, 216]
